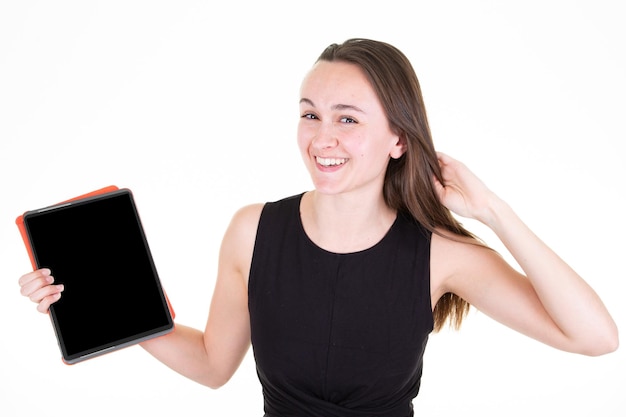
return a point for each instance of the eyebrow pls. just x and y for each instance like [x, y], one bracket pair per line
[334, 107]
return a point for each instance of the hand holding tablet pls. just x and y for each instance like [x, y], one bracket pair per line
[96, 247]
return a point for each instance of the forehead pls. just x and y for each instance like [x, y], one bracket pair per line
[332, 81]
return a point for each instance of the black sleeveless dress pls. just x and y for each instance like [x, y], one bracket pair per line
[338, 335]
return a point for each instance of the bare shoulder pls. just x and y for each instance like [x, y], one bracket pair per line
[238, 242]
[456, 259]
[241, 232]
[247, 217]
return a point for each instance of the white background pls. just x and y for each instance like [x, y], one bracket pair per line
[193, 105]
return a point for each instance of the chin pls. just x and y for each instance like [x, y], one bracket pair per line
[327, 189]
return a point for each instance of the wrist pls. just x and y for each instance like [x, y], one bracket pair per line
[496, 214]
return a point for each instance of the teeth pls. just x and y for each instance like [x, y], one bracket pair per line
[330, 161]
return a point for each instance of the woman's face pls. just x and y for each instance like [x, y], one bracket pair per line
[343, 134]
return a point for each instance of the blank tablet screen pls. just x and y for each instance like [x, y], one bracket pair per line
[98, 250]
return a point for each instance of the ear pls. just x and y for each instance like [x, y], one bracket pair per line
[399, 148]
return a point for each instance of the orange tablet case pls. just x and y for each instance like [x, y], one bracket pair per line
[19, 221]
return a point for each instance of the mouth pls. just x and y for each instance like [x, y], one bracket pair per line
[330, 162]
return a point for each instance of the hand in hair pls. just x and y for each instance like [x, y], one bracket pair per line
[462, 191]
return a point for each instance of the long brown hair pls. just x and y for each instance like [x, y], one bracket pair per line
[408, 183]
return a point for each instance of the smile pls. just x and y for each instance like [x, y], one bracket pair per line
[328, 162]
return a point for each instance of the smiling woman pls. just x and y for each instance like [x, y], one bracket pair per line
[343, 120]
[337, 289]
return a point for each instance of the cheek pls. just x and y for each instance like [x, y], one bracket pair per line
[306, 132]
[378, 153]
[301, 139]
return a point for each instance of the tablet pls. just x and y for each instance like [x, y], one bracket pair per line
[96, 247]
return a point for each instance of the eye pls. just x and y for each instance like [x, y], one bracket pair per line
[309, 116]
[347, 120]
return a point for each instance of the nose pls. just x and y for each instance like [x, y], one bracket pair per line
[325, 137]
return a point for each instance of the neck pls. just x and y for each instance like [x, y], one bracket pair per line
[345, 223]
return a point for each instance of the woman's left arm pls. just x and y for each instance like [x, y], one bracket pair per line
[564, 309]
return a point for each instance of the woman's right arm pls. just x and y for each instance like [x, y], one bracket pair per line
[210, 357]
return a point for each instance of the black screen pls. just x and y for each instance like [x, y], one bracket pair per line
[97, 249]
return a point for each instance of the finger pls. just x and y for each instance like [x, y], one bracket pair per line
[443, 157]
[438, 185]
[45, 304]
[26, 278]
[38, 295]
[35, 283]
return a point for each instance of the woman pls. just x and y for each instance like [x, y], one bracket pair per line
[337, 289]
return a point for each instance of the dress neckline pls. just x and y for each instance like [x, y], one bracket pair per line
[357, 252]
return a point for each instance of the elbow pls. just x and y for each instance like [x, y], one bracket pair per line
[214, 385]
[607, 348]
[603, 345]
[216, 380]
[600, 350]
